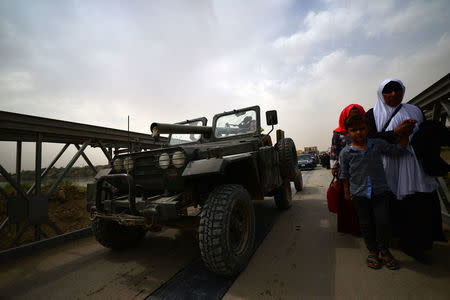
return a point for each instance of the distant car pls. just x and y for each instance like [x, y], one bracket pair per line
[306, 162]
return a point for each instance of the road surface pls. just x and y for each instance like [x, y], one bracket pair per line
[302, 257]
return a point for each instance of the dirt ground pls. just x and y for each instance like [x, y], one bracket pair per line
[67, 209]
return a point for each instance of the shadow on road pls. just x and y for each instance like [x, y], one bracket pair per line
[197, 282]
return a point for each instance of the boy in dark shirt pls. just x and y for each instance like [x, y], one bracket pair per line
[361, 169]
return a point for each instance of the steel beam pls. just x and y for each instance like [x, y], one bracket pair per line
[49, 167]
[436, 92]
[19, 163]
[53, 226]
[8, 255]
[4, 224]
[66, 170]
[86, 159]
[11, 181]
[38, 163]
[19, 234]
[20, 127]
[24, 128]
[105, 151]
[446, 105]
[4, 194]
[37, 232]
[434, 102]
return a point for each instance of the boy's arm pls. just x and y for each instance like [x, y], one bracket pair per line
[393, 149]
[344, 174]
[388, 136]
[346, 189]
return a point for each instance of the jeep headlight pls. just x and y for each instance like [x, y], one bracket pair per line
[128, 164]
[118, 165]
[178, 159]
[164, 161]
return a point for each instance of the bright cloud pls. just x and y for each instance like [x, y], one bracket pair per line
[166, 61]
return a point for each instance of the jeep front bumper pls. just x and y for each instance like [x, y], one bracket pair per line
[149, 210]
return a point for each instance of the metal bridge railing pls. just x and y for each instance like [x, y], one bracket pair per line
[31, 207]
[435, 103]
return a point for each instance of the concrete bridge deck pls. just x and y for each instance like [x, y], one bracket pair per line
[314, 261]
[302, 257]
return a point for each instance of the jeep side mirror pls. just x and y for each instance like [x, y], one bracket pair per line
[271, 117]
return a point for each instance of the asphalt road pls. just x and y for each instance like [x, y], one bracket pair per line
[302, 257]
[166, 265]
[86, 270]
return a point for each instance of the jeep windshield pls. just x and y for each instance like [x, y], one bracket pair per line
[184, 138]
[239, 123]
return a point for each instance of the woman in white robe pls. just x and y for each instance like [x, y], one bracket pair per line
[415, 190]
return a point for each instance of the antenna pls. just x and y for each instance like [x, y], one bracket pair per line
[129, 144]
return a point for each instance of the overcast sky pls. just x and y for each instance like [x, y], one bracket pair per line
[97, 62]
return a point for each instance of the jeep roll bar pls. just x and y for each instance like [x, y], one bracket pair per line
[162, 128]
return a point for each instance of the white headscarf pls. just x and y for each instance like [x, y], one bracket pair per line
[404, 174]
[382, 111]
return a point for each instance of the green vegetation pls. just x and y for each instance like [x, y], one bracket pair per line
[10, 190]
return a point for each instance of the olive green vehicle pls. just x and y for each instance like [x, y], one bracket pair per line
[203, 180]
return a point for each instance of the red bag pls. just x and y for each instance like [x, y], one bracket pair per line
[333, 194]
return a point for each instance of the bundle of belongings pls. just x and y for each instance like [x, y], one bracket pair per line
[427, 143]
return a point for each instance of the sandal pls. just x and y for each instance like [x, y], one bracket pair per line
[388, 260]
[373, 261]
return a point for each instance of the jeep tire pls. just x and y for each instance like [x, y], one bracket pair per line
[298, 182]
[283, 197]
[115, 236]
[227, 230]
[288, 159]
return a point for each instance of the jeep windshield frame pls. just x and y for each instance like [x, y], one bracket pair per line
[245, 122]
[175, 139]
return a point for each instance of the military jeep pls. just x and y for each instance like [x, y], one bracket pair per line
[203, 180]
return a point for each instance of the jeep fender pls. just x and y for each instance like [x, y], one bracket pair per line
[212, 166]
[203, 167]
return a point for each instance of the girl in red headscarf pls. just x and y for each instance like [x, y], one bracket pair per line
[339, 139]
[346, 216]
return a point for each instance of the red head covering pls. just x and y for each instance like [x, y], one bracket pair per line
[344, 114]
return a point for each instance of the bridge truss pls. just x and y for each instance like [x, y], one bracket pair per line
[31, 206]
[435, 103]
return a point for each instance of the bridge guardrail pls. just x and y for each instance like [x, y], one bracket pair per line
[435, 103]
[31, 207]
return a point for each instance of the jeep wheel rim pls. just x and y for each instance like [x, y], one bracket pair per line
[239, 228]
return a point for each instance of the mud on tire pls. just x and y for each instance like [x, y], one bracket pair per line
[283, 198]
[227, 230]
[288, 158]
[115, 236]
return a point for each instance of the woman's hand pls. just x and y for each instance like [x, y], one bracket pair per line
[404, 141]
[347, 196]
[405, 128]
[334, 171]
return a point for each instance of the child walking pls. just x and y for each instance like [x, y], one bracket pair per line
[364, 181]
